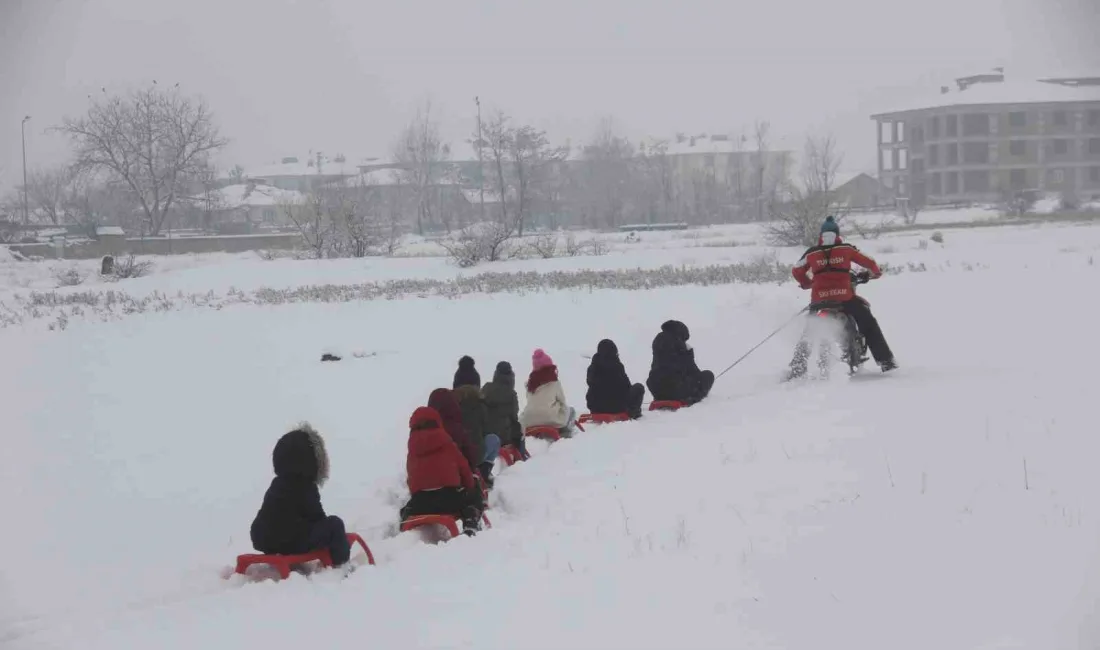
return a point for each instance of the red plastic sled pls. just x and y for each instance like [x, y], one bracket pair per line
[510, 455]
[666, 405]
[283, 563]
[602, 418]
[543, 432]
[450, 522]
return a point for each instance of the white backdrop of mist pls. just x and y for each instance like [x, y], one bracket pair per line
[343, 76]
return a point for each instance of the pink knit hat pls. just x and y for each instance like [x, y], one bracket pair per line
[540, 359]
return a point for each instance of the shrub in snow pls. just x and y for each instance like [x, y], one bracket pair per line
[274, 254]
[937, 237]
[107, 305]
[544, 245]
[69, 277]
[480, 242]
[923, 245]
[593, 246]
[131, 268]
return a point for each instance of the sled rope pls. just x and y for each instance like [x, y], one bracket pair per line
[760, 344]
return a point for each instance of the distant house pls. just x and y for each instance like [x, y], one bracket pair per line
[247, 204]
[994, 138]
[292, 174]
[864, 191]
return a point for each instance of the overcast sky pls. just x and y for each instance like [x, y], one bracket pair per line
[342, 76]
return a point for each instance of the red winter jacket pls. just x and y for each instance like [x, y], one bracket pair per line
[434, 461]
[825, 269]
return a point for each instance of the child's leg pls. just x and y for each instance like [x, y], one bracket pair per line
[330, 533]
[492, 448]
[570, 422]
[637, 396]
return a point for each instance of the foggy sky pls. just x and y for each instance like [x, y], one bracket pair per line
[343, 76]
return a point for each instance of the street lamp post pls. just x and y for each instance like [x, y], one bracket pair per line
[23, 133]
[480, 162]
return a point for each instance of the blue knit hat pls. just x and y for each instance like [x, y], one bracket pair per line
[830, 225]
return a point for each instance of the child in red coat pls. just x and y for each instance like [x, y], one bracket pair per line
[440, 480]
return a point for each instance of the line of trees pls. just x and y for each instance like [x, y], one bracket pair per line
[140, 158]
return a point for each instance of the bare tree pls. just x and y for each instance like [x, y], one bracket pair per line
[656, 185]
[533, 160]
[762, 140]
[92, 201]
[495, 146]
[796, 219]
[423, 158]
[156, 141]
[47, 190]
[609, 174]
[311, 219]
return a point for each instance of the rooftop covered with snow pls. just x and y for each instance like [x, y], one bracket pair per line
[1007, 92]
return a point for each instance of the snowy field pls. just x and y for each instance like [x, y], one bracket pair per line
[954, 504]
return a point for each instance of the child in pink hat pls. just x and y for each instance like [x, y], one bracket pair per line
[546, 403]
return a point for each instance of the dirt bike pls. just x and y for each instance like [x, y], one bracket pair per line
[853, 345]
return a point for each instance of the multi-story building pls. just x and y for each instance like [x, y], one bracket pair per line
[991, 139]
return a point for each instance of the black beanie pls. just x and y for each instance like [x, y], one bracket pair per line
[466, 375]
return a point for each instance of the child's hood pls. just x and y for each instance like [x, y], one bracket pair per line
[426, 433]
[302, 454]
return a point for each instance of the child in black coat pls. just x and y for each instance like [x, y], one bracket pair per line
[609, 387]
[291, 519]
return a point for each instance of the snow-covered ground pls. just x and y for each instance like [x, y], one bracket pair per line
[953, 504]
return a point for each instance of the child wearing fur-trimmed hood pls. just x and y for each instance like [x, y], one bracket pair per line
[291, 519]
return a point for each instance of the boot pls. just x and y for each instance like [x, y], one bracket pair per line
[486, 471]
[889, 365]
[470, 525]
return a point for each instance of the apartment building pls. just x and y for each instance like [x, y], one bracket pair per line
[990, 139]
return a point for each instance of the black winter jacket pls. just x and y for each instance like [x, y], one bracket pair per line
[474, 417]
[608, 384]
[292, 504]
[503, 407]
[674, 374]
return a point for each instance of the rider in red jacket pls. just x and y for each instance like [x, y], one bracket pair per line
[440, 480]
[825, 270]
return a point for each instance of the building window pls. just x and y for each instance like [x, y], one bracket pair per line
[903, 159]
[1017, 119]
[933, 155]
[952, 126]
[951, 183]
[975, 124]
[934, 126]
[1017, 179]
[936, 184]
[975, 153]
[886, 132]
[976, 181]
[1017, 148]
[952, 154]
[1057, 176]
[1094, 146]
[269, 215]
[1060, 118]
[1059, 147]
[900, 126]
[901, 187]
[918, 166]
[1094, 118]
[1094, 174]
